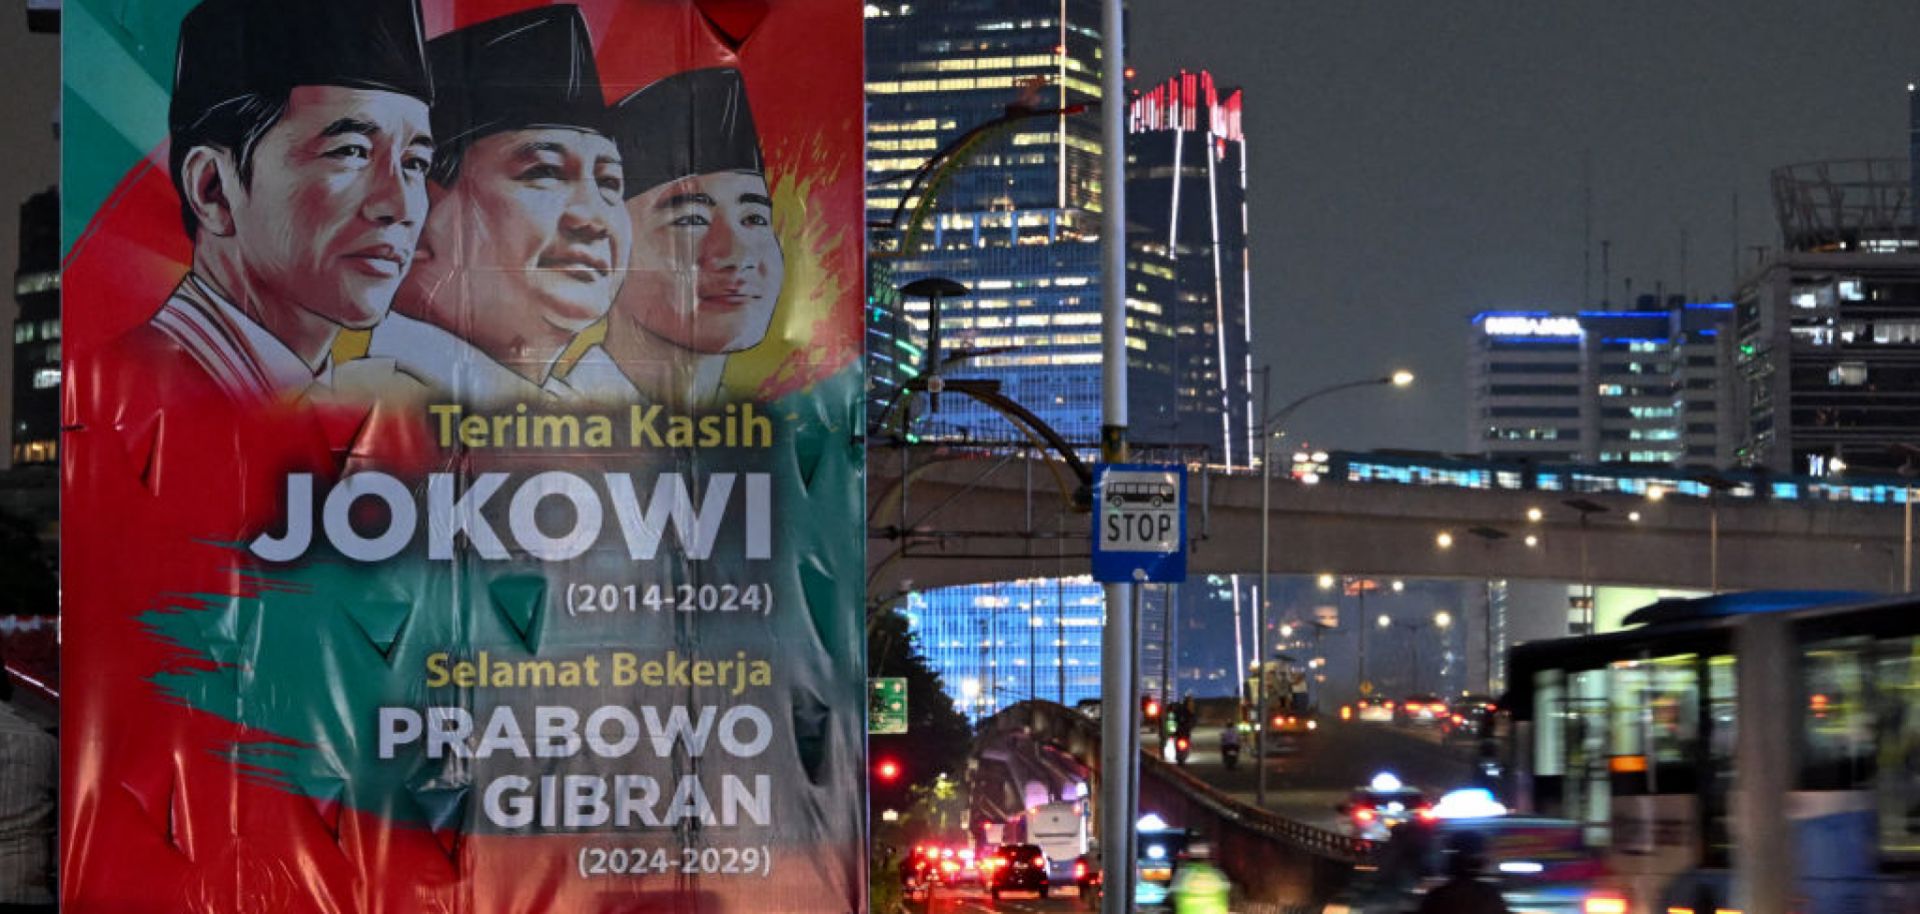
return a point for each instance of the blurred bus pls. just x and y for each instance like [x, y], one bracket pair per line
[1754, 752]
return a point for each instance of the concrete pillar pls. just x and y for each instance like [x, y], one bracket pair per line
[1763, 859]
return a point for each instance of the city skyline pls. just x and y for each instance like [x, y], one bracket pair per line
[1415, 164]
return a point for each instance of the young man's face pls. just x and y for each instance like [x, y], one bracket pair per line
[707, 267]
[334, 207]
[533, 230]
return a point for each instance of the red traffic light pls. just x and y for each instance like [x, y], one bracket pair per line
[887, 770]
[1150, 708]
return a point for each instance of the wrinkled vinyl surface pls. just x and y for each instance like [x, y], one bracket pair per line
[327, 649]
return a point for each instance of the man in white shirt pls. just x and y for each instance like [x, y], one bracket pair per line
[300, 148]
[528, 240]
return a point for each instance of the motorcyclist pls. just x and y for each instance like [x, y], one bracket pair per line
[1464, 892]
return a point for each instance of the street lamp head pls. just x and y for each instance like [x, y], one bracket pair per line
[1384, 621]
[1534, 515]
[1532, 541]
[1656, 493]
[1399, 586]
[1326, 582]
[1401, 378]
[1443, 618]
[1633, 516]
[1444, 540]
[1286, 631]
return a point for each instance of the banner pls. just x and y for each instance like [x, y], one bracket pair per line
[462, 440]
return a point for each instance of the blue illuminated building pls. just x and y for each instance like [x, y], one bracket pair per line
[1018, 223]
[1645, 386]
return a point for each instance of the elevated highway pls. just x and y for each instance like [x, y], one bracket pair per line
[940, 517]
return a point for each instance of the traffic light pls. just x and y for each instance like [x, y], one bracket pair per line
[887, 770]
[1150, 708]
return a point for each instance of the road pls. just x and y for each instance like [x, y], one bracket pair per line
[1305, 784]
[972, 900]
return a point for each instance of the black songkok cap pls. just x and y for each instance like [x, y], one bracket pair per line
[523, 71]
[691, 123]
[233, 48]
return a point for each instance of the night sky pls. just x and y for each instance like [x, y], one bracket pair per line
[1413, 163]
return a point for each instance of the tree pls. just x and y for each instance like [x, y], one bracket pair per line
[937, 738]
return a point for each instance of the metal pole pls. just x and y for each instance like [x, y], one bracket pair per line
[1168, 691]
[1906, 530]
[1713, 541]
[1260, 606]
[1119, 729]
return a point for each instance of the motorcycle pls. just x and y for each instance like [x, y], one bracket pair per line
[1181, 746]
[1230, 755]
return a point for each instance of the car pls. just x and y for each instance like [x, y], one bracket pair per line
[1472, 718]
[1373, 711]
[1374, 809]
[1423, 710]
[1017, 868]
[1161, 848]
[1539, 864]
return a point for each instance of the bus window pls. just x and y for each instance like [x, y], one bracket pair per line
[1896, 682]
[1656, 726]
[1837, 747]
[1588, 795]
[1723, 733]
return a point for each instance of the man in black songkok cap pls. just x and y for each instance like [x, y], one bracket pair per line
[527, 241]
[707, 267]
[300, 144]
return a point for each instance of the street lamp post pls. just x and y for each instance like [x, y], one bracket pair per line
[1587, 509]
[1269, 426]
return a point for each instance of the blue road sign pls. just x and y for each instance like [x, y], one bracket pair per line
[1140, 523]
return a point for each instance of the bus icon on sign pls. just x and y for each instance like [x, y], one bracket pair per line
[1154, 494]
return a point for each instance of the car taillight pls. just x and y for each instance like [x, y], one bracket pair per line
[1604, 904]
[1425, 814]
[1079, 869]
[948, 866]
[1363, 816]
[1388, 706]
[1181, 744]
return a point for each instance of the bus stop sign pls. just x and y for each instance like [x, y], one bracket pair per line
[1140, 523]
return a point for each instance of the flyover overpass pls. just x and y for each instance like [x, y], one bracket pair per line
[966, 517]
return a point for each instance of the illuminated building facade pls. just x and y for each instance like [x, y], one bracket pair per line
[1645, 386]
[1187, 198]
[36, 333]
[1018, 223]
[1829, 328]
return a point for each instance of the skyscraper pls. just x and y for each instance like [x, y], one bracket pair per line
[1017, 219]
[1004, 91]
[1187, 257]
[36, 332]
[1829, 328]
